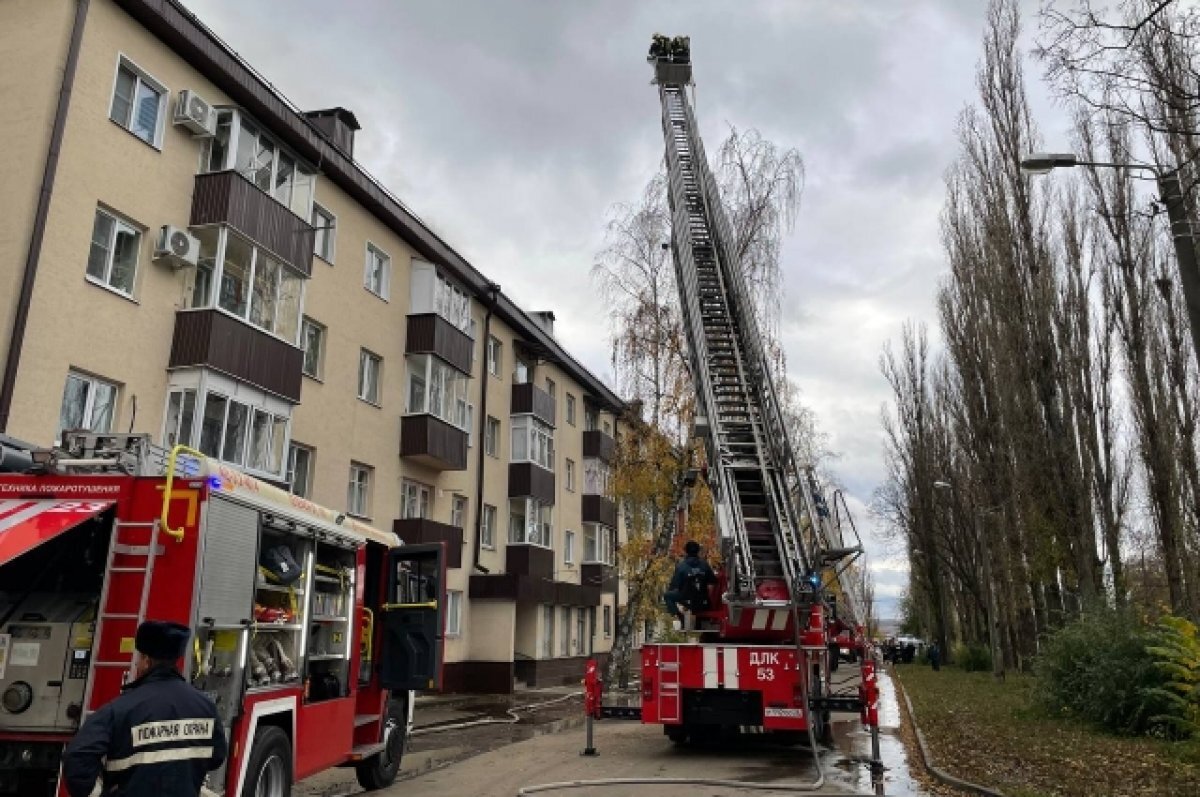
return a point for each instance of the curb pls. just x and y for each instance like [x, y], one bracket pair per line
[927, 759]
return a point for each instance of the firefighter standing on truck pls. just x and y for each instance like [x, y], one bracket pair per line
[689, 585]
[160, 737]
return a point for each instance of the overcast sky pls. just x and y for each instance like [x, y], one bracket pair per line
[512, 128]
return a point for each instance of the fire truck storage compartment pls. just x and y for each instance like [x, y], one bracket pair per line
[330, 622]
[48, 600]
[722, 707]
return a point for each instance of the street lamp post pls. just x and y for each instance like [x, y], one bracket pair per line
[993, 614]
[1182, 234]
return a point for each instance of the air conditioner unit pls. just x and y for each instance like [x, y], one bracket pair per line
[193, 112]
[177, 246]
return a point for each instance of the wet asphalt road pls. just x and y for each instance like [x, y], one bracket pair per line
[499, 760]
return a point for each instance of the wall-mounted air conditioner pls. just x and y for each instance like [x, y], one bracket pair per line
[177, 246]
[193, 112]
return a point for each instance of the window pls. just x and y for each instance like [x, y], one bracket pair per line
[436, 389]
[453, 612]
[591, 420]
[570, 475]
[532, 441]
[139, 103]
[458, 512]
[181, 418]
[596, 475]
[414, 500]
[312, 340]
[570, 409]
[522, 372]
[607, 622]
[608, 427]
[530, 522]
[565, 642]
[87, 403]
[250, 283]
[241, 434]
[112, 259]
[487, 530]
[598, 544]
[325, 236]
[241, 145]
[547, 632]
[377, 275]
[358, 498]
[369, 366]
[552, 388]
[452, 303]
[580, 629]
[569, 547]
[300, 470]
[491, 437]
[494, 352]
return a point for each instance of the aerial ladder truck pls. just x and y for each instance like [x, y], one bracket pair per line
[760, 658]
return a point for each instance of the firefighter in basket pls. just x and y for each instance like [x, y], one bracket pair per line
[688, 590]
[160, 738]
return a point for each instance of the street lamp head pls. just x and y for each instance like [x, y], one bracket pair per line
[1042, 162]
[941, 485]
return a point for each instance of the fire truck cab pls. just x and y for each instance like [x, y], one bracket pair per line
[311, 629]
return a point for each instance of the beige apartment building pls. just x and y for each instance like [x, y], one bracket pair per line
[184, 254]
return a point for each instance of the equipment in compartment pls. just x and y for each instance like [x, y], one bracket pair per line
[45, 650]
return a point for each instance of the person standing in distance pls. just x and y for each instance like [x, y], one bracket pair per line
[159, 738]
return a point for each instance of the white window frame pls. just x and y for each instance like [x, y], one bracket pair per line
[119, 223]
[454, 612]
[569, 547]
[552, 389]
[140, 76]
[603, 544]
[89, 401]
[564, 640]
[491, 437]
[580, 629]
[487, 527]
[570, 409]
[416, 499]
[547, 640]
[213, 300]
[303, 173]
[607, 612]
[534, 529]
[538, 439]
[366, 356]
[460, 509]
[319, 371]
[358, 490]
[570, 475]
[452, 303]
[181, 434]
[329, 234]
[293, 449]
[441, 380]
[495, 353]
[385, 278]
[597, 476]
[248, 440]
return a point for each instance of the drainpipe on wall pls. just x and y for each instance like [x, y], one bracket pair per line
[32, 258]
[493, 290]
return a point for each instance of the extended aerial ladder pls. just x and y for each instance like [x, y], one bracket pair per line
[762, 655]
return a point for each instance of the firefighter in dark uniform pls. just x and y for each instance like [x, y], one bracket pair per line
[159, 738]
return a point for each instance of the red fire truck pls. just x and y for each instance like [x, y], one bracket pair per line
[309, 669]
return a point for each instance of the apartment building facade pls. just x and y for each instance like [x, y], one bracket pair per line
[187, 255]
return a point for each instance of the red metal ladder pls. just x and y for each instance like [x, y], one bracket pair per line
[670, 701]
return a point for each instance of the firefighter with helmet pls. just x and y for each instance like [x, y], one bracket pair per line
[160, 737]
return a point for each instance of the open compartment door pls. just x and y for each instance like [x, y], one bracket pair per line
[414, 618]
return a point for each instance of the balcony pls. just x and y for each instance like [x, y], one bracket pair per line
[212, 339]
[528, 398]
[229, 198]
[430, 441]
[527, 589]
[528, 480]
[529, 560]
[599, 575]
[599, 445]
[415, 530]
[600, 509]
[429, 333]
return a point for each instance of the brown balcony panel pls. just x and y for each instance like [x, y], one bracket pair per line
[432, 442]
[528, 480]
[212, 339]
[600, 509]
[528, 398]
[415, 530]
[529, 560]
[599, 445]
[531, 589]
[429, 333]
[229, 198]
[603, 577]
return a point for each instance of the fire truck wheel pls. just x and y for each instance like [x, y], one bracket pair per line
[676, 733]
[269, 773]
[379, 771]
